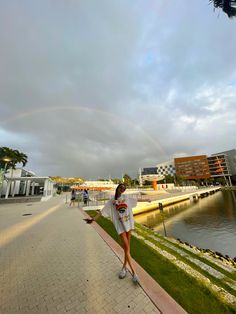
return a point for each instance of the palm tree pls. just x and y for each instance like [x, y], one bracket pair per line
[19, 157]
[228, 6]
[10, 157]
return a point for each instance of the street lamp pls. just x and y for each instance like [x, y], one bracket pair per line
[7, 160]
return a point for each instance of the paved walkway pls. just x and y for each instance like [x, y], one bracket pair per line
[52, 262]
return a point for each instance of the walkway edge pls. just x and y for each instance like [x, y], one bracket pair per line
[161, 299]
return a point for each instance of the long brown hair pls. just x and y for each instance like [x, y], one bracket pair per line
[118, 188]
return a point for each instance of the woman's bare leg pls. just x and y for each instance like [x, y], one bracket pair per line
[125, 237]
[129, 237]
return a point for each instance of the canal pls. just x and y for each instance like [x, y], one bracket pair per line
[208, 223]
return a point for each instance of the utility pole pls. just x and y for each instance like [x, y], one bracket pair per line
[140, 177]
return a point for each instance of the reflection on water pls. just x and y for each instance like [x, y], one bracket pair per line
[207, 223]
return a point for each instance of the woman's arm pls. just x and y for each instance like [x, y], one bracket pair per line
[105, 211]
[97, 216]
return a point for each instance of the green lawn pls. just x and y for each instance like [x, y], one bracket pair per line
[188, 292]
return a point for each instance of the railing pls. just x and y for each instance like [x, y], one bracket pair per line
[96, 198]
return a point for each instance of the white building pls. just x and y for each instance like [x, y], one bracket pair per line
[103, 184]
[20, 182]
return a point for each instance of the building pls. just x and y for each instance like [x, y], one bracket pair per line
[219, 166]
[193, 167]
[147, 171]
[20, 182]
[166, 168]
[149, 174]
[230, 160]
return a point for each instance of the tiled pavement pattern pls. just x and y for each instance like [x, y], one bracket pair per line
[56, 263]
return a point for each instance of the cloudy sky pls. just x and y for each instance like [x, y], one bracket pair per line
[100, 88]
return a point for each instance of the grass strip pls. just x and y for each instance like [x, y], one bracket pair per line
[218, 282]
[194, 297]
[213, 279]
[231, 275]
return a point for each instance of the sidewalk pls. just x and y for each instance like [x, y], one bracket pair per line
[52, 262]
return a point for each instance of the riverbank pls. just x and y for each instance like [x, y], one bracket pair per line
[194, 279]
[172, 198]
[229, 188]
[208, 223]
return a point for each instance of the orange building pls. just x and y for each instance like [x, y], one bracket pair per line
[193, 167]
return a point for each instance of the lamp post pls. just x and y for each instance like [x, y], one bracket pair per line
[163, 218]
[6, 160]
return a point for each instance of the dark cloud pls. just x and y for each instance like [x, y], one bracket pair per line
[97, 89]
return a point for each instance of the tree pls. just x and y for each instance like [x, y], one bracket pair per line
[67, 181]
[179, 179]
[135, 182]
[9, 158]
[169, 178]
[117, 181]
[209, 180]
[127, 180]
[228, 6]
[221, 180]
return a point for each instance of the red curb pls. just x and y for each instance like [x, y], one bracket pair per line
[161, 299]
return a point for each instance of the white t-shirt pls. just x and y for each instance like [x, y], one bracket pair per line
[120, 212]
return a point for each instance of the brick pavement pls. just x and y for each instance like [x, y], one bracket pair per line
[52, 262]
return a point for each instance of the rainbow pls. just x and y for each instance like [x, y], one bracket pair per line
[110, 115]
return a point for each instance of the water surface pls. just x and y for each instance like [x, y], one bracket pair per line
[207, 223]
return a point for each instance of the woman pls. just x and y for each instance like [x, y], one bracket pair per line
[119, 209]
[85, 197]
[72, 198]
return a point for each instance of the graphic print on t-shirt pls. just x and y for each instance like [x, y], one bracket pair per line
[121, 207]
[124, 221]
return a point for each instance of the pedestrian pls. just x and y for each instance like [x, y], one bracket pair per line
[85, 197]
[72, 198]
[119, 209]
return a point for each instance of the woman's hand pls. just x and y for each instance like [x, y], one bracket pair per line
[89, 220]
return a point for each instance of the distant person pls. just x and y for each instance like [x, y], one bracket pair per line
[119, 209]
[85, 197]
[72, 198]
